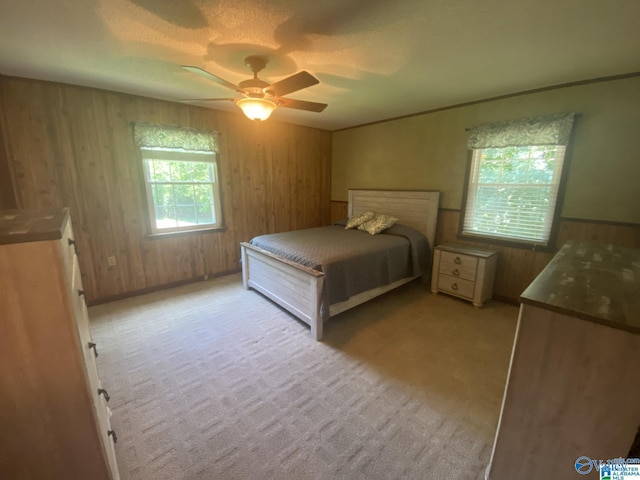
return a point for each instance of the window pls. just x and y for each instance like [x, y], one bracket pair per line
[181, 189]
[181, 184]
[514, 179]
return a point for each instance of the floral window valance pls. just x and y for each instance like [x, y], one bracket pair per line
[160, 136]
[547, 130]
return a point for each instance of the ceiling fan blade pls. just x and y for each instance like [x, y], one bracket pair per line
[293, 83]
[302, 105]
[209, 99]
[213, 77]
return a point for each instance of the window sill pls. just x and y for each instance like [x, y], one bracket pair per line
[505, 242]
[154, 236]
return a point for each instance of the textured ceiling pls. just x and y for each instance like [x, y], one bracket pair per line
[375, 59]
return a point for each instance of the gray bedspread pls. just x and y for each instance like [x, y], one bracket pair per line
[352, 260]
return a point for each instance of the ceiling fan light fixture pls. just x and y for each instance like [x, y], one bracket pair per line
[256, 108]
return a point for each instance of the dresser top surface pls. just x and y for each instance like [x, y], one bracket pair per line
[593, 281]
[462, 249]
[19, 226]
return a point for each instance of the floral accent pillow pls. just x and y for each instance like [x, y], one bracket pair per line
[378, 224]
[357, 220]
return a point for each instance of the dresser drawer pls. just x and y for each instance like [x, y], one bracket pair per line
[67, 244]
[458, 265]
[456, 286]
[84, 332]
[109, 437]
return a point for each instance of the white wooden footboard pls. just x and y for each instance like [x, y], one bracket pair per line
[292, 286]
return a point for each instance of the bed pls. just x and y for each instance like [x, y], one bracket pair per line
[313, 295]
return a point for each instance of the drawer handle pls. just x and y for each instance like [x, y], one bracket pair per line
[102, 391]
[457, 260]
[73, 243]
[112, 433]
[95, 349]
[454, 286]
[456, 272]
[80, 293]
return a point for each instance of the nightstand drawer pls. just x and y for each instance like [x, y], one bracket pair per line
[457, 265]
[456, 286]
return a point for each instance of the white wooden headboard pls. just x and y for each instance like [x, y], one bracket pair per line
[415, 208]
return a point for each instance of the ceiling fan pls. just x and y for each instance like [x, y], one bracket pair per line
[259, 98]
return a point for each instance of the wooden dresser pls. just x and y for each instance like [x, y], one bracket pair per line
[573, 389]
[464, 272]
[54, 418]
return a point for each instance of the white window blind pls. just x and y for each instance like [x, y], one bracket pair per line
[513, 191]
[514, 178]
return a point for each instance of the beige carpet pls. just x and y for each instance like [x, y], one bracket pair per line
[210, 381]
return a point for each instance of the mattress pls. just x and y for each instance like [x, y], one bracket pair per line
[353, 261]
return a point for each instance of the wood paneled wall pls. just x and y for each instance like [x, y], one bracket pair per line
[7, 195]
[518, 267]
[339, 210]
[73, 146]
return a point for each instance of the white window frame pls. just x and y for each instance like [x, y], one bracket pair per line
[523, 229]
[181, 155]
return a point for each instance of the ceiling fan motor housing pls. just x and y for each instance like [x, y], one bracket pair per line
[255, 63]
[254, 87]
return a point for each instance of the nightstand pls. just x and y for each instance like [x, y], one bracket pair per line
[464, 272]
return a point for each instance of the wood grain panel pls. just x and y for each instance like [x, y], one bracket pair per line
[624, 235]
[7, 195]
[518, 267]
[73, 146]
[339, 210]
